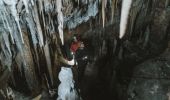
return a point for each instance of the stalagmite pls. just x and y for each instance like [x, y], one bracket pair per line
[126, 4]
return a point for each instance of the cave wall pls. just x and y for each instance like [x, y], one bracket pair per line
[30, 39]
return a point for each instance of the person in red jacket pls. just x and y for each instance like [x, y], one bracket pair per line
[75, 45]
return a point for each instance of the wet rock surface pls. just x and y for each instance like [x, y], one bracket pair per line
[150, 80]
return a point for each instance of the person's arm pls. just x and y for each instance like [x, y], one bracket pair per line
[65, 61]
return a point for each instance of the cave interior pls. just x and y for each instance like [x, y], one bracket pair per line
[84, 49]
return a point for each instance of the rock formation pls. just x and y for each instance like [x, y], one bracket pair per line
[126, 42]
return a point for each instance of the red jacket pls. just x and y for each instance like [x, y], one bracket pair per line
[75, 46]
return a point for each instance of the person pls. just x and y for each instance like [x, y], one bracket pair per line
[66, 88]
[68, 57]
[75, 55]
[77, 48]
[75, 44]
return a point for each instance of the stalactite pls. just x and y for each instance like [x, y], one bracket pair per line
[79, 18]
[44, 24]
[48, 60]
[10, 31]
[29, 68]
[17, 21]
[6, 51]
[41, 11]
[114, 46]
[136, 8]
[126, 4]
[19, 6]
[104, 4]
[36, 58]
[19, 46]
[7, 43]
[113, 9]
[78, 2]
[46, 80]
[167, 3]
[116, 3]
[32, 2]
[40, 5]
[31, 26]
[39, 30]
[3, 19]
[26, 5]
[132, 19]
[48, 6]
[1, 3]
[12, 4]
[148, 5]
[86, 1]
[4, 16]
[60, 20]
[146, 38]
[53, 28]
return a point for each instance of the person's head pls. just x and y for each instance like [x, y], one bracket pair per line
[75, 39]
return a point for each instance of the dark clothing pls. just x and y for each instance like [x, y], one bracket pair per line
[65, 49]
[80, 54]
